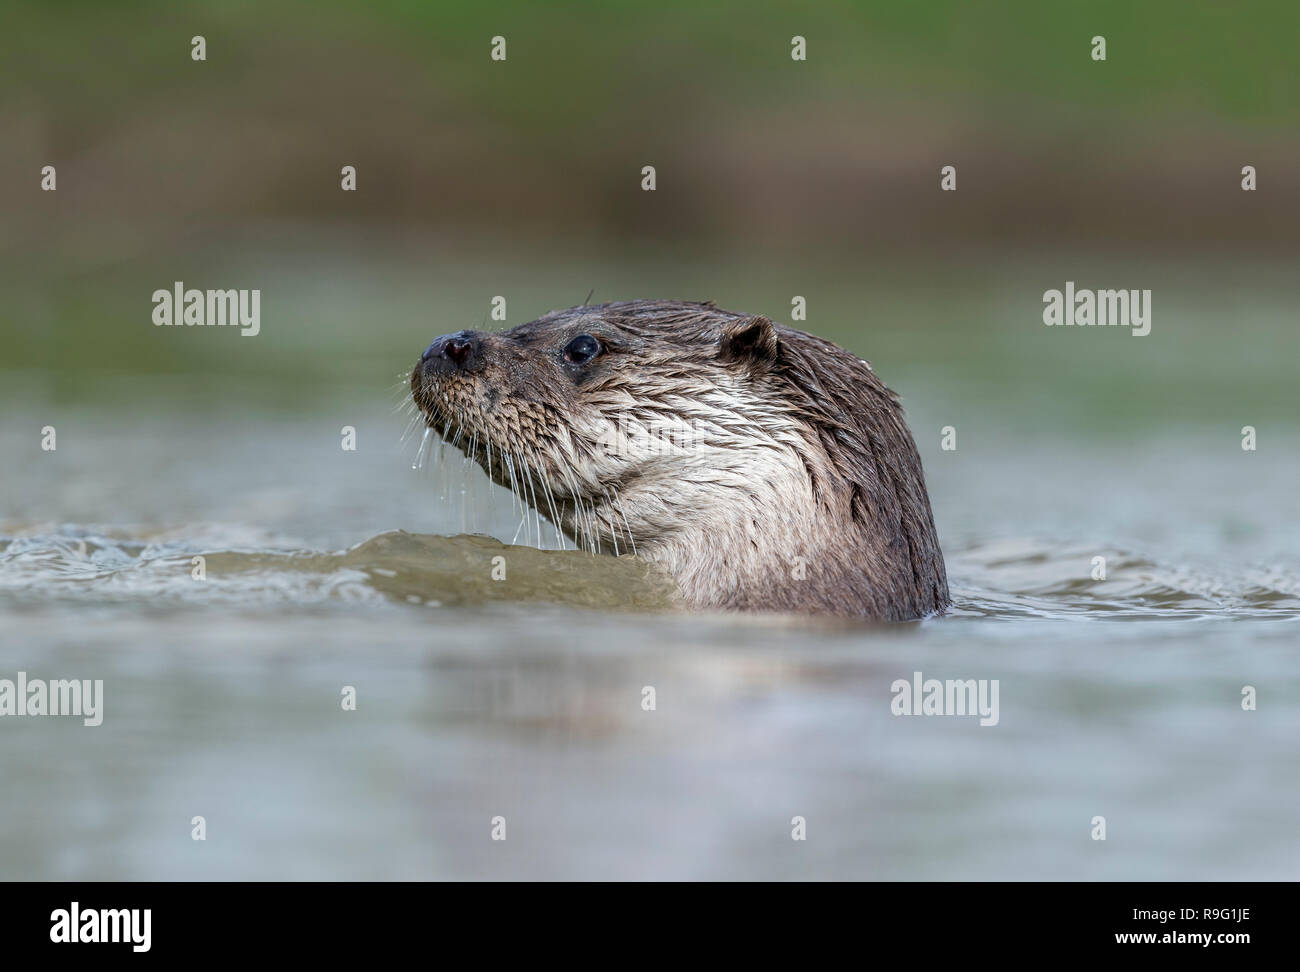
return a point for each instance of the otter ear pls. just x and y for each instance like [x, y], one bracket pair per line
[750, 341]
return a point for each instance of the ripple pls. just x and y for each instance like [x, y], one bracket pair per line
[1029, 578]
[1006, 579]
[394, 566]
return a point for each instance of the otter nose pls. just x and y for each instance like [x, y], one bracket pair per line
[452, 351]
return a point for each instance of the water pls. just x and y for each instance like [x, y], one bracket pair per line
[522, 698]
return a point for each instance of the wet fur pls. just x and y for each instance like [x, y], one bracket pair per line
[723, 447]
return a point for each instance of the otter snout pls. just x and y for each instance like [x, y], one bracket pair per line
[462, 351]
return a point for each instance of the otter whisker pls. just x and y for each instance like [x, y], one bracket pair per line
[581, 534]
[618, 500]
[591, 526]
[537, 509]
[550, 503]
[420, 452]
[526, 476]
[514, 484]
[402, 389]
[523, 494]
[412, 424]
[522, 520]
[530, 487]
[613, 534]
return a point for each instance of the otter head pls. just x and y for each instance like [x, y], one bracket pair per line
[727, 449]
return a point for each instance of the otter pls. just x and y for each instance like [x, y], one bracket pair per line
[764, 468]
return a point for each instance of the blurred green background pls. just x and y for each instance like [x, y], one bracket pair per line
[776, 178]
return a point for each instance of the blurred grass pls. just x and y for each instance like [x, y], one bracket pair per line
[343, 322]
[1232, 60]
[521, 178]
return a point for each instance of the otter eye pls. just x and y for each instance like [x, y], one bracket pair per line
[581, 349]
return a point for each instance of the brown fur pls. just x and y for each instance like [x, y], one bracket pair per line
[763, 467]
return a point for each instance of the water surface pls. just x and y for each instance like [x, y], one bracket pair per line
[521, 698]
